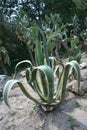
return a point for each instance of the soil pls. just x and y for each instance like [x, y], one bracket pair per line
[24, 114]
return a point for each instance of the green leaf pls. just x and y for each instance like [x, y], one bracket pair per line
[10, 84]
[39, 54]
[75, 66]
[60, 80]
[32, 81]
[48, 80]
[23, 62]
[2, 77]
[63, 77]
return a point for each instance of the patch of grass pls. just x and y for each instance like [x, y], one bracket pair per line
[31, 113]
[72, 123]
[13, 113]
[78, 105]
[84, 108]
[52, 120]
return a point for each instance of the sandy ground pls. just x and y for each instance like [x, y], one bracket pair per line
[25, 115]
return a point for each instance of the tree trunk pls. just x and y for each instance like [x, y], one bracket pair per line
[85, 46]
[64, 42]
[30, 52]
[57, 50]
[3, 65]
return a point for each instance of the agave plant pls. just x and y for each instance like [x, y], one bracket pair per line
[41, 78]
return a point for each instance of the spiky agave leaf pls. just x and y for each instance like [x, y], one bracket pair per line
[53, 62]
[32, 80]
[58, 69]
[64, 77]
[59, 74]
[22, 62]
[2, 77]
[39, 57]
[45, 48]
[75, 66]
[47, 81]
[10, 84]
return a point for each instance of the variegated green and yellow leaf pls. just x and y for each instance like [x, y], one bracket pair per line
[23, 62]
[10, 84]
[46, 83]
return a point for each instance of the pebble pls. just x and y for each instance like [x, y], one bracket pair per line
[83, 65]
[1, 117]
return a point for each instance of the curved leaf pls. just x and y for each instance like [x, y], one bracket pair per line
[47, 80]
[32, 80]
[64, 77]
[52, 62]
[60, 80]
[22, 62]
[2, 77]
[58, 69]
[10, 84]
[69, 65]
[75, 66]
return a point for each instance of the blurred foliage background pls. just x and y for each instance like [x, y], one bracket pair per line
[64, 23]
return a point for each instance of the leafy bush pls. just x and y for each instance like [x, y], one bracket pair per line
[76, 49]
[4, 58]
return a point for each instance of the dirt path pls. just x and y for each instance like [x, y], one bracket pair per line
[25, 115]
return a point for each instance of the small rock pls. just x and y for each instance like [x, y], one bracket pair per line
[22, 74]
[61, 108]
[1, 117]
[19, 108]
[73, 87]
[83, 65]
